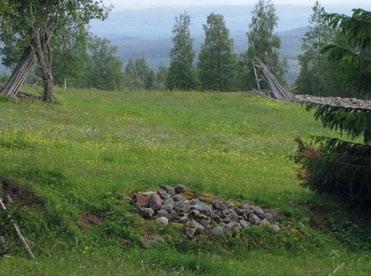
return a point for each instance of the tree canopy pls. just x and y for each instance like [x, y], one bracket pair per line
[181, 73]
[263, 44]
[217, 62]
[33, 24]
[139, 75]
[351, 51]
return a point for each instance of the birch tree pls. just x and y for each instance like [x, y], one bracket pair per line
[31, 25]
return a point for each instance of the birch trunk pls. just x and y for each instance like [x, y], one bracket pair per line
[44, 56]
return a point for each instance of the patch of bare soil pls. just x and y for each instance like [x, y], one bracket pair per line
[20, 194]
[320, 218]
[88, 220]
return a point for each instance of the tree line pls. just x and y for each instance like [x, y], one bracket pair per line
[218, 67]
[325, 70]
[71, 56]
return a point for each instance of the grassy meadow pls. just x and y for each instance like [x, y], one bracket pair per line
[90, 152]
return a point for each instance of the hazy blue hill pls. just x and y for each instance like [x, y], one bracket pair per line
[158, 22]
[156, 51]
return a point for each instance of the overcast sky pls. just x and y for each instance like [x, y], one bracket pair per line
[141, 4]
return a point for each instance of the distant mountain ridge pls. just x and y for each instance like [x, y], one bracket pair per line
[158, 22]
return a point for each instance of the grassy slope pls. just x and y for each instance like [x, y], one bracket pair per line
[92, 150]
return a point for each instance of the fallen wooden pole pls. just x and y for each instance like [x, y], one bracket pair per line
[18, 231]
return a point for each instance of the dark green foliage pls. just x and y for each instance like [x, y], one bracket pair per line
[336, 167]
[353, 122]
[104, 69]
[139, 75]
[330, 165]
[70, 51]
[337, 57]
[263, 44]
[182, 74]
[217, 62]
[356, 31]
[351, 51]
[352, 55]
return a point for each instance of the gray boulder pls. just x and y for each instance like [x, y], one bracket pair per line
[163, 220]
[218, 204]
[179, 189]
[155, 202]
[164, 213]
[146, 212]
[190, 232]
[168, 207]
[254, 219]
[217, 231]
[244, 223]
[163, 194]
[178, 198]
[169, 189]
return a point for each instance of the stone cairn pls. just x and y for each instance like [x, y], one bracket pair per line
[217, 218]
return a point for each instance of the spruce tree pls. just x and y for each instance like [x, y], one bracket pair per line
[331, 165]
[181, 73]
[217, 62]
[263, 44]
[313, 62]
[349, 54]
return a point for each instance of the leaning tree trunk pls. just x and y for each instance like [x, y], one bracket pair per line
[44, 56]
[20, 73]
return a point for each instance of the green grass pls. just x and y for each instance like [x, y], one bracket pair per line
[93, 149]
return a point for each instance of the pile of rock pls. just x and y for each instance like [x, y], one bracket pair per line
[214, 217]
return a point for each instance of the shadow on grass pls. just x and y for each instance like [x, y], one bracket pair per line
[350, 225]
